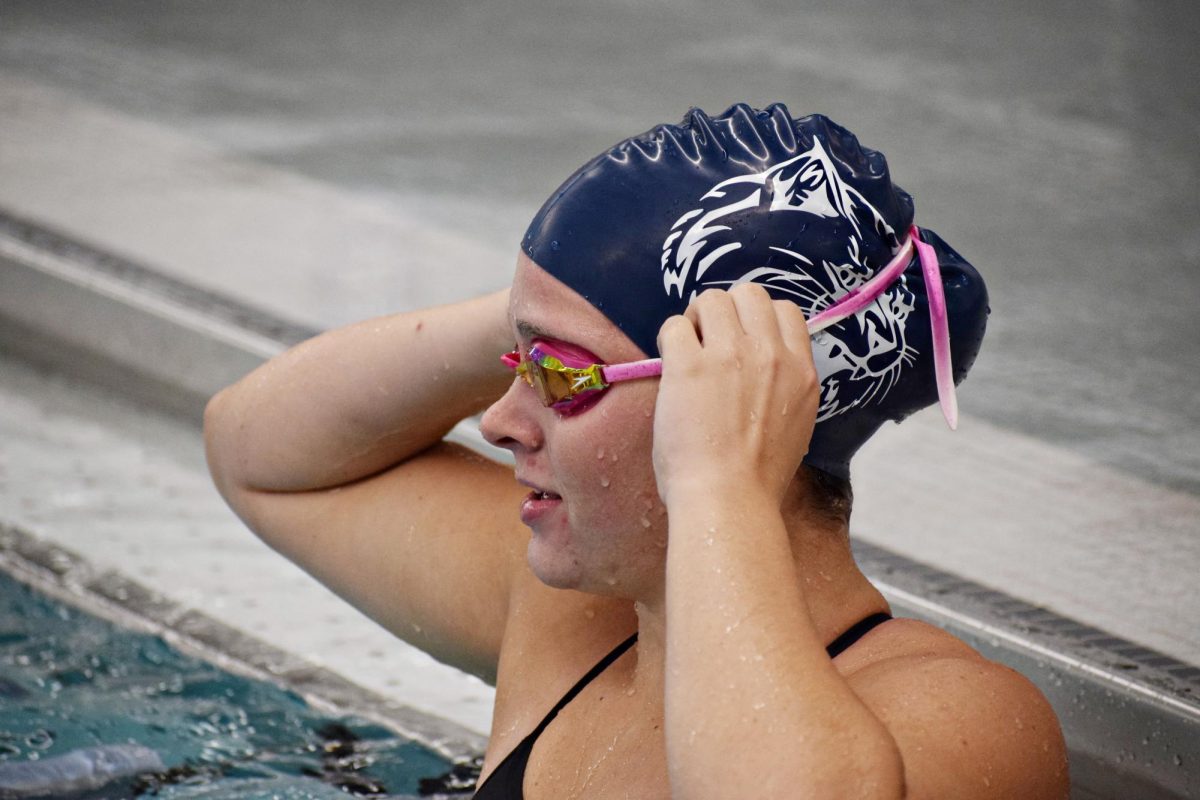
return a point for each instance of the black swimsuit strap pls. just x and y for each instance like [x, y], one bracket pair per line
[856, 631]
[507, 778]
[595, 671]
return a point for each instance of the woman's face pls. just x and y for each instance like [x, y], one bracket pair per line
[605, 531]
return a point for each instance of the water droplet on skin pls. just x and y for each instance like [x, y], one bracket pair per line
[1020, 724]
[610, 580]
[589, 613]
[614, 458]
[604, 482]
[446, 365]
[753, 417]
[645, 522]
[784, 412]
[759, 706]
[631, 691]
[600, 454]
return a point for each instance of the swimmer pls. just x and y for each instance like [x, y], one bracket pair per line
[705, 324]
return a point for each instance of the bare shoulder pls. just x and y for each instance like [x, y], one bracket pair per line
[966, 727]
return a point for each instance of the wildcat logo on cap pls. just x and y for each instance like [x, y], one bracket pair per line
[859, 360]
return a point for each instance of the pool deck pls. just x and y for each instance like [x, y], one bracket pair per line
[1057, 455]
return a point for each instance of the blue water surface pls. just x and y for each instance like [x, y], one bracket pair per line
[69, 680]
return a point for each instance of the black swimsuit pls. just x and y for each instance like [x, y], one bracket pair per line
[507, 780]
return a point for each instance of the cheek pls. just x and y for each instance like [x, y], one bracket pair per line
[613, 476]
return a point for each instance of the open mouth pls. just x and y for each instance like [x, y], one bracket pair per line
[537, 504]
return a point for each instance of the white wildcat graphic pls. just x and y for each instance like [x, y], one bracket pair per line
[861, 358]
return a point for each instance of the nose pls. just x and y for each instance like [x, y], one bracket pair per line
[511, 422]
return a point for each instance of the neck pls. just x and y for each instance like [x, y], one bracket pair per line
[836, 593]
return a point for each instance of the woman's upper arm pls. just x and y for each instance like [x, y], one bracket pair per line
[428, 548]
[967, 728]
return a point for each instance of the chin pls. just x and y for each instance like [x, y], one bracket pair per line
[553, 566]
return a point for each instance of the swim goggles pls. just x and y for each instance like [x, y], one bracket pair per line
[565, 383]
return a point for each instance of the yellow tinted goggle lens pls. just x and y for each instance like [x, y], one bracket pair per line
[551, 385]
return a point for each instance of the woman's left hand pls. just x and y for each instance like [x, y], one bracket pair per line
[739, 393]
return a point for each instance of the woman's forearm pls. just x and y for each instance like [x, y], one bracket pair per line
[359, 399]
[752, 698]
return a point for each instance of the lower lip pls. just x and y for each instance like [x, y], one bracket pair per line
[534, 508]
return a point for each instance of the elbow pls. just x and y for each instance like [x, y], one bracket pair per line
[219, 443]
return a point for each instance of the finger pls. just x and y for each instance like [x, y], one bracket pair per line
[756, 313]
[677, 338]
[715, 318]
[793, 328]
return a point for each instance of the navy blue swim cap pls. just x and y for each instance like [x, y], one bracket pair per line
[796, 205]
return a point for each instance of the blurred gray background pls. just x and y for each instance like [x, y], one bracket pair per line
[328, 161]
[1056, 144]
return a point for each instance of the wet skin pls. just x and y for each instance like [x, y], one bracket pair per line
[358, 488]
[608, 532]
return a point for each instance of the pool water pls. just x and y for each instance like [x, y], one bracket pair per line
[74, 685]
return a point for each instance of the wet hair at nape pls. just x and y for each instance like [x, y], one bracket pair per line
[832, 496]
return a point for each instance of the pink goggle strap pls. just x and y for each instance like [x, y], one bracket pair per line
[648, 368]
[864, 295]
[857, 299]
[943, 369]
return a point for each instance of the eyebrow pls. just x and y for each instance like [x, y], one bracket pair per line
[531, 331]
